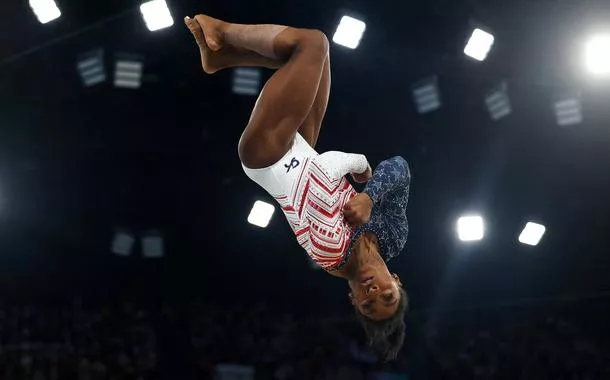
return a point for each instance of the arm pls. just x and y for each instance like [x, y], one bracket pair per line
[389, 192]
[341, 164]
[390, 179]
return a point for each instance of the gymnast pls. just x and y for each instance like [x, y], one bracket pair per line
[348, 234]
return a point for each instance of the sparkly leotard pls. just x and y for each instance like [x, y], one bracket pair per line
[311, 189]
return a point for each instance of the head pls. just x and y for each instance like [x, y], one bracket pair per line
[381, 303]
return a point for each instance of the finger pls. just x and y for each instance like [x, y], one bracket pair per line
[349, 214]
[355, 221]
[358, 218]
[350, 218]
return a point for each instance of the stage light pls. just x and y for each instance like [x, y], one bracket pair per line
[246, 81]
[128, 72]
[479, 45]
[568, 110]
[426, 95]
[122, 243]
[261, 214]
[152, 245]
[470, 228]
[498, 102]
[349, 32]
[156, 15]
[91, 68]
[532, 233]
[45, 10]
[597, 55]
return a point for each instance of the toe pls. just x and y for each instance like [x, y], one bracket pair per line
[188, 22]
[196, 30]
[211, 37]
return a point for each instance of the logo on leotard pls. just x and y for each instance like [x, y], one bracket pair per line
[294, 163]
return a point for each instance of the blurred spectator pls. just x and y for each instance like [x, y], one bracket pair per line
[125, 342]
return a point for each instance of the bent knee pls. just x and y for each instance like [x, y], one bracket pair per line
[314, 39]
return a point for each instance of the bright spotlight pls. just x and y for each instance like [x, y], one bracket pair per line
[349, 32]
[470, 228]
[532, 233]
[597, 55]
[156, 15]
[479, 45]
[261, 214]
[45, 10]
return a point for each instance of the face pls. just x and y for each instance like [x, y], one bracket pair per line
[376, 295]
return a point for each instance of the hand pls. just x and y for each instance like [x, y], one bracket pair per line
[358, 210]
[363, 177]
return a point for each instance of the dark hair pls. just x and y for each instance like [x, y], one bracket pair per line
[386, 337]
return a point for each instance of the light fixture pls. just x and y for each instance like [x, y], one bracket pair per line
[128, 72]
[261, 214]
[91, 68]
[246, 81]
[122, 243]
[152, 245]
[156, 15]
[349, 32]
[45, 10]
[498, 102]
[532, 233]
[479, 44]
[568, 110]
[470, 228]
[597, 55]
[426, 95]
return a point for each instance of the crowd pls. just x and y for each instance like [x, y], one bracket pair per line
[199, 340]
[69, 342]
[569, 343]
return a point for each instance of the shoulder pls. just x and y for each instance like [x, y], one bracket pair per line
[396, 163]
[328, 162]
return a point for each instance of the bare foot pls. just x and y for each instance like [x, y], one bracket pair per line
[223, 55]
[213, 30]
[211, 60]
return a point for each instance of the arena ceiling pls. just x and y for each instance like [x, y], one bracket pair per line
[75, 162]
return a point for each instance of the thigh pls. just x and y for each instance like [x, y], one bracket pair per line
[285, 102]
[310, 129]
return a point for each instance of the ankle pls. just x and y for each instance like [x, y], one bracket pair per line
[256, 38]
[222, 28]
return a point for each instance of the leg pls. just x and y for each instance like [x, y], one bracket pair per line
[288, 97]
[230, 56]
[310, 129]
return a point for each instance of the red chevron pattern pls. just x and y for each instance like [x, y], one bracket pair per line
[313, 210]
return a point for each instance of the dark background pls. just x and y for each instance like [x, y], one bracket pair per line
[77, 162]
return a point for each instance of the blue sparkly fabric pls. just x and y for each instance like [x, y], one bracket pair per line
[389, 190]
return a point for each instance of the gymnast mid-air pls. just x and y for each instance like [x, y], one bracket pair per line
[350, 235]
